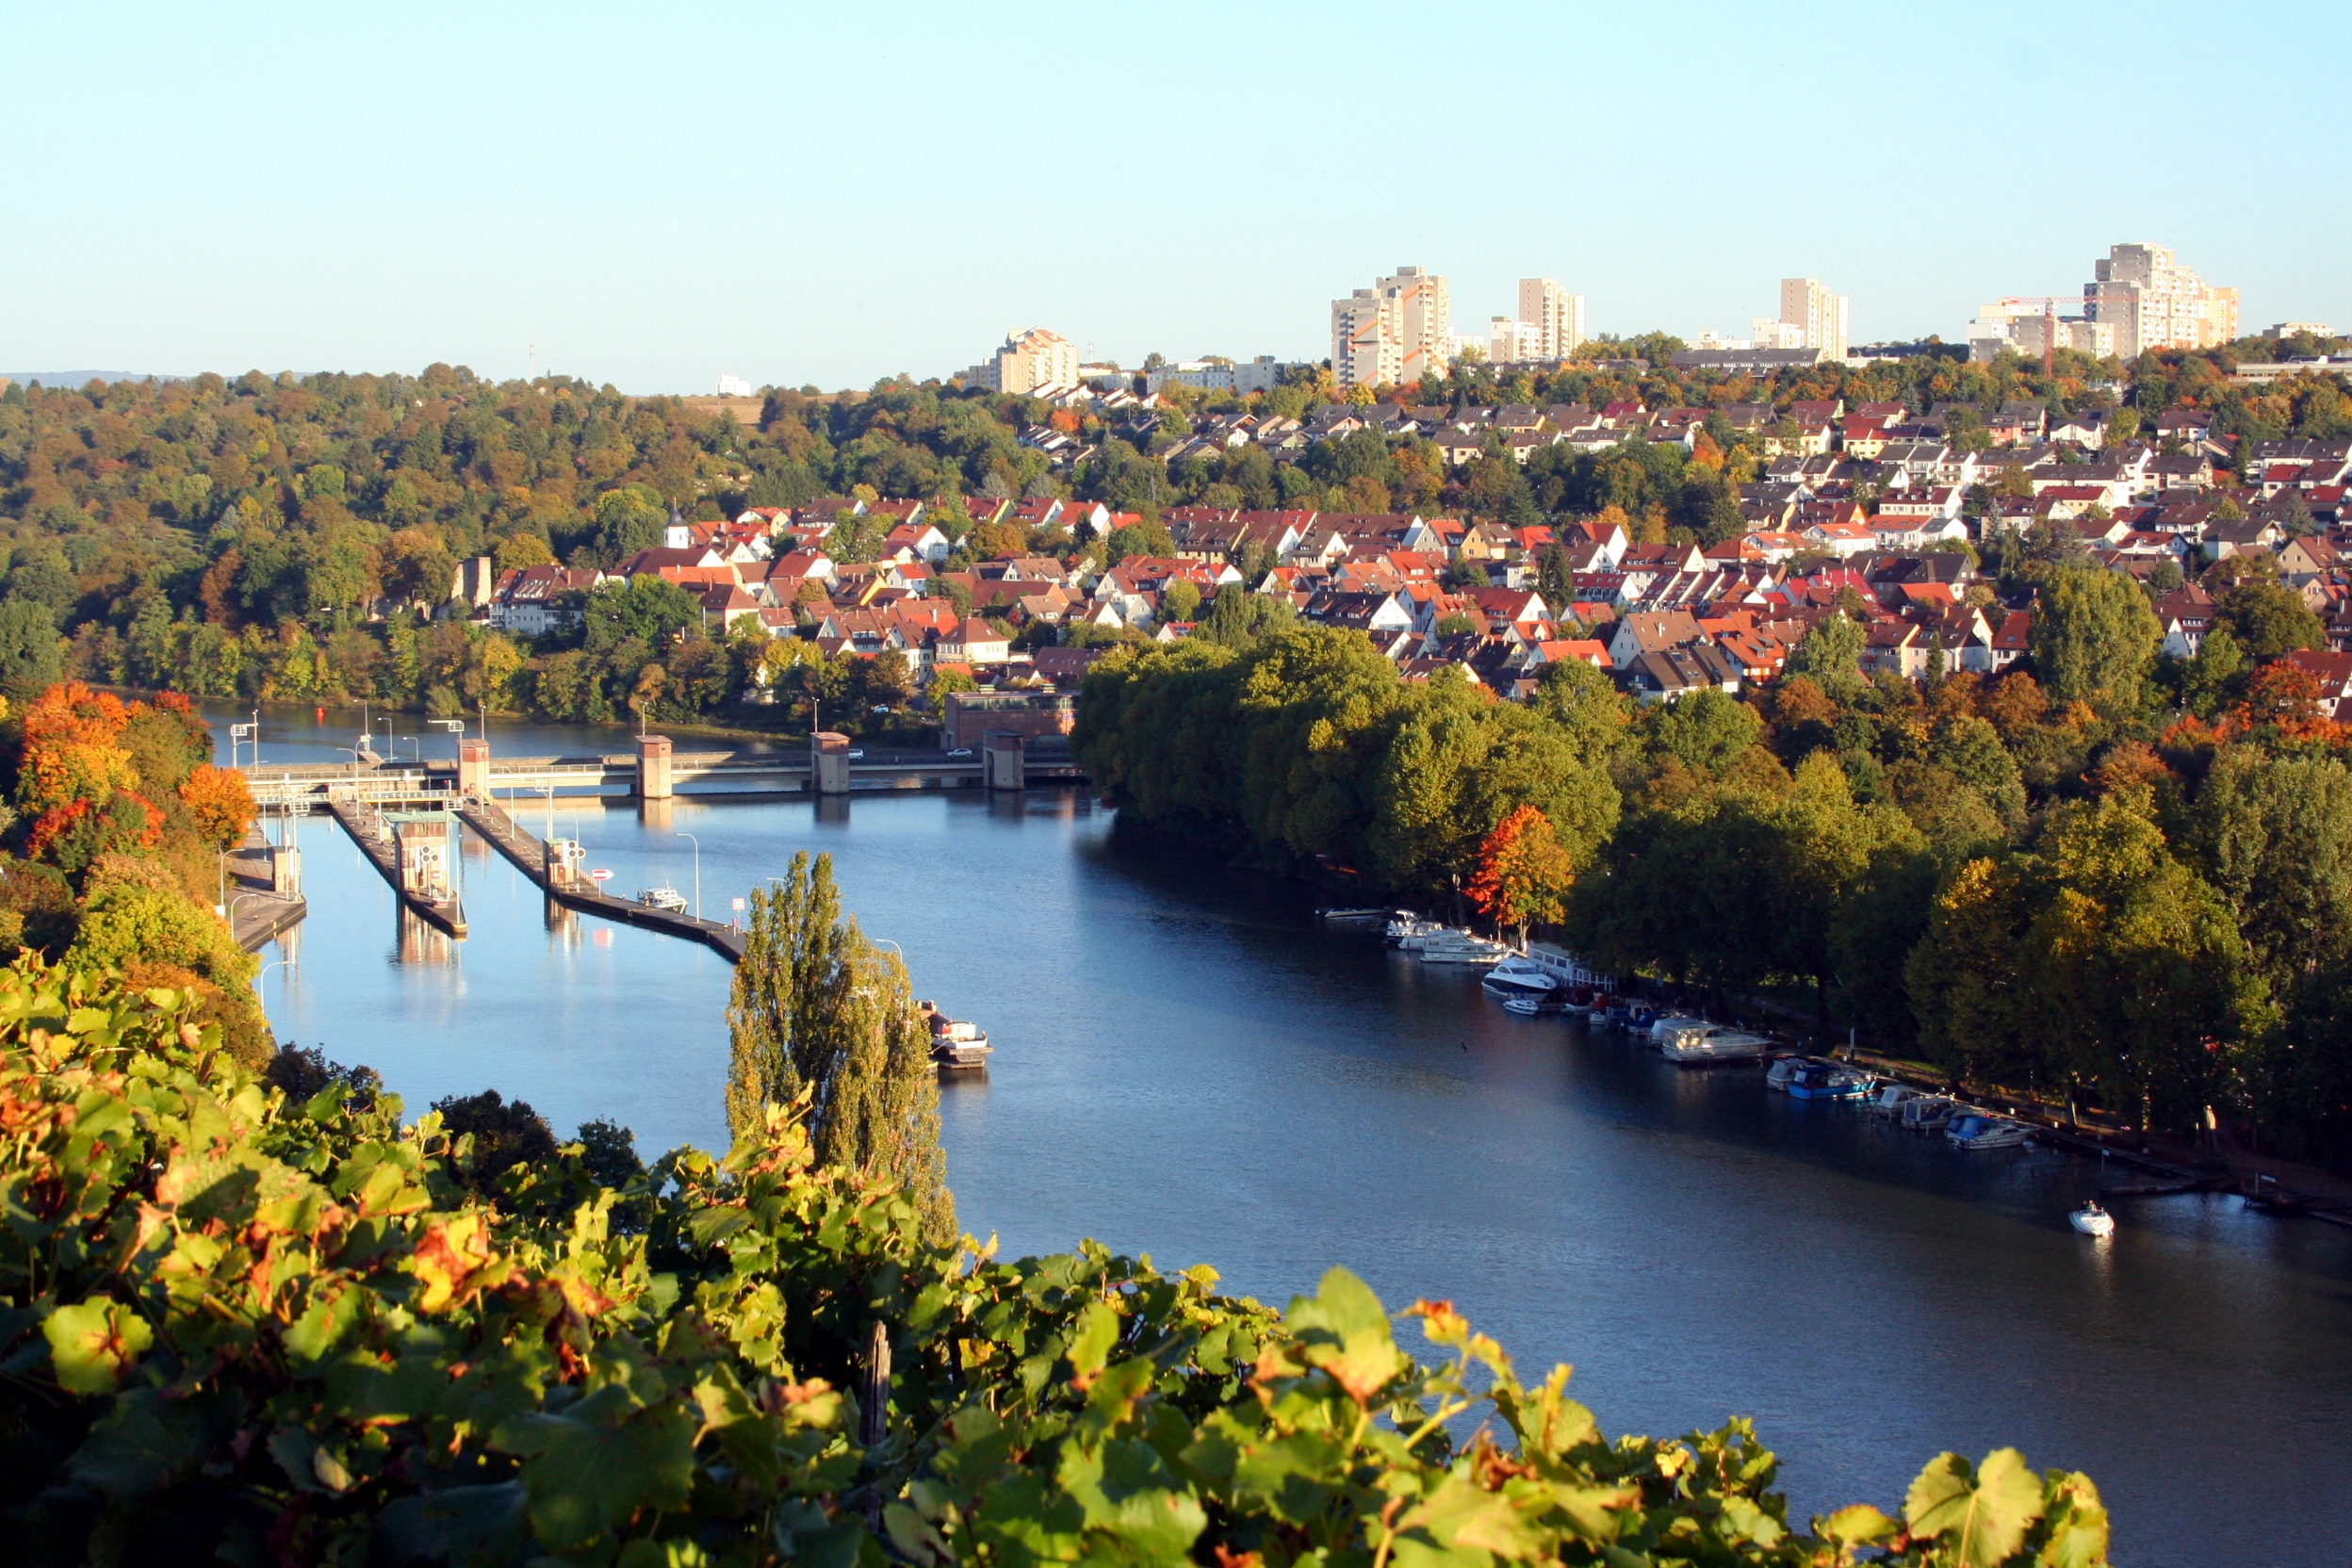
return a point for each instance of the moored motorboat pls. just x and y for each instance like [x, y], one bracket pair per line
[956, 1044]
[1525, 1003]
[1982, 1130]
[1359, 914]
[669, 900]
[1714, 1045]
[2092, 1220]
[1665, 1026]
[1829, 1081]
[1409, 930]
[1889, 1098]
[1460, 947]
[1518, 975]
[1927, 1113]
[1776, 1077]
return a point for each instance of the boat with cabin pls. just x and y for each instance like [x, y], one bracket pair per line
[1715, 1045]
[668, 900]
[1409, 930]
[1982, 1130]
[1460, 947]
[1665, 1026]
[2092, 1220]
[1889, 1098]
[957, 1045]
[1829, 1081]
[1926, 1113]
[1520, 975]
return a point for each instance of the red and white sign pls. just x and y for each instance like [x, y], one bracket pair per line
[599, 874]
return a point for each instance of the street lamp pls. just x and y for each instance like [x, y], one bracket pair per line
[697, 844]
[275, 963]
[244, 732]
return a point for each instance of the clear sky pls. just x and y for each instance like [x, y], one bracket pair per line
[654, 194]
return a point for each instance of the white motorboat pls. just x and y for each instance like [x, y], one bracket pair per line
[668, 899]
[1460, 947]
[1409, 931]
[1926, 1113]
[1669, 1025]
[1525, 1004]
[2092, 1220]
[957, 1045]
[1977, 1130]
[1518, 975]
[1891, 1098]
[1782, 1072]
[1713, 1045]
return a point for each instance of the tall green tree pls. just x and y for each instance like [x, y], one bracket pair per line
[2094, 638]
[818, 1011]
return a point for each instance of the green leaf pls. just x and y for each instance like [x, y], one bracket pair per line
[1098, 1331]
[587, 1479]
[463, 1524]
[94, 1343]
[1345, 1331]
[1982, 1516]
[146, 1441]
[1858, 1526]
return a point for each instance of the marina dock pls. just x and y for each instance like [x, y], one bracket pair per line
[530, 855]
[372, 832]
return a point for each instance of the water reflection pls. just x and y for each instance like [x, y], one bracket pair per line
[1188, 1065]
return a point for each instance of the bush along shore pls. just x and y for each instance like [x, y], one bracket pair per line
[244, 1327]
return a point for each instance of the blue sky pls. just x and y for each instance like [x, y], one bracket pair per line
[656, 194]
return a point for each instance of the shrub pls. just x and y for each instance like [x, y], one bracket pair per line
[242, 1328]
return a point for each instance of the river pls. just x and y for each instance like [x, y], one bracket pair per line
[1189, 1065]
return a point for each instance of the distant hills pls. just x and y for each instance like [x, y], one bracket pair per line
[76, 378]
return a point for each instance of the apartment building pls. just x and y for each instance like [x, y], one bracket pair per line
[2153, 302]
[1030, 362]
[1556, 315]
[1823, 317]
[1392, 333]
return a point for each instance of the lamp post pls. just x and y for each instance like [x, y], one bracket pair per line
[697, 844]
[275, 963]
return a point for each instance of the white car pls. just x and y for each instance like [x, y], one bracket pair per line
[856, 754]
[961, 751]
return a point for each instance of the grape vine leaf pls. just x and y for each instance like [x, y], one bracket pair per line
[1983, 1514]
[92, 1342]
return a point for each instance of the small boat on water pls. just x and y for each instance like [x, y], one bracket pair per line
[1783, 1068]
[1980, 1130]
[1714, 1046]
[1357, 914]
[1527, 1005]
[956, 1044]
[1409, 930]
[1665, 1026]
[1926, 1113]
[2092, 1220]
[666, 899]
[1518, 975]
[1829, 1081]
[1460, 947]
[1891, 1098]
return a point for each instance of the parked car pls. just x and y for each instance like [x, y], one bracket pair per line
[961, 751]
[856, 754]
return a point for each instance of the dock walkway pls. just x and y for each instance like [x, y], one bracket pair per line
[530, 856]
[257, 916]
[360, 822]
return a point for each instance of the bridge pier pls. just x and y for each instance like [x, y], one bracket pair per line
[1004, 760]
[653, 767]
[473, 767]
[828, 762]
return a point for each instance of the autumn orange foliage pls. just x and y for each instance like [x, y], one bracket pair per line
[1523, 873]
[220, 804]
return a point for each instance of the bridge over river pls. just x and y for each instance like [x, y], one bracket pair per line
[396, 813]
[656, 771]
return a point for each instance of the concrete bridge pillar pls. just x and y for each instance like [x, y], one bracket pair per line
[828, 762]
[1004, 760]
[473, 769]
[653, 767]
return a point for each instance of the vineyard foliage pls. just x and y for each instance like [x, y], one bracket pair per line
[241, 1328]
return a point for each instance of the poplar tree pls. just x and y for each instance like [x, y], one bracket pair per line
[817, 1008]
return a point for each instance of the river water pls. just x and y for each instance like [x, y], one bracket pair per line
[1189, 1065]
